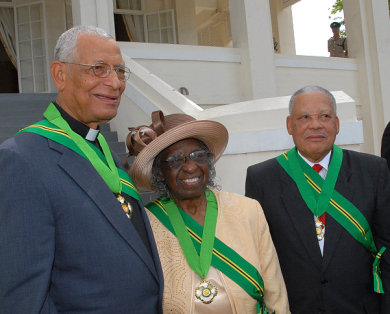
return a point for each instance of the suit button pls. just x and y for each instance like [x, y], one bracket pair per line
[320, 311]
[324, 282]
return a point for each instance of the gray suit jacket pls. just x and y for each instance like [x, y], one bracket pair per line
[65, 244]
[340, 281]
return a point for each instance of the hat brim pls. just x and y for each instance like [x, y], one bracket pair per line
[213, 134]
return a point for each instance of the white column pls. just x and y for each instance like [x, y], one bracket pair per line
[381, 25]
[282, 27]
[98, 13]
[368, 30]
[252, 32]
[286, 31]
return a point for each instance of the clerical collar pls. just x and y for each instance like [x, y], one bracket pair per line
[78, 127]
[324, 162]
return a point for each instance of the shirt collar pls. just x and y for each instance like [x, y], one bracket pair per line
[78, 127]
[324, 162]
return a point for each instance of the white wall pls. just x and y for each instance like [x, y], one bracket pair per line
[294, 72]
[210, 74]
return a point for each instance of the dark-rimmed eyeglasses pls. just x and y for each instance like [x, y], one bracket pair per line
[199, 156]
[102, 70]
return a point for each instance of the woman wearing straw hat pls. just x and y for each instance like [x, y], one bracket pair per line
[215, 248]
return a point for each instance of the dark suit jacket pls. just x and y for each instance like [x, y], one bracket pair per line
[65, 244]
[341, 280]
[385, 147]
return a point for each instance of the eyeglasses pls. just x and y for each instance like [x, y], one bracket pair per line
[176, 161]
[321, 117]
[102, 70]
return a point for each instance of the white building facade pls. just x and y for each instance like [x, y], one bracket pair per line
[216, 59]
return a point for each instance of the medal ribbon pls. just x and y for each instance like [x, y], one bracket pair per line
[224, 258]
[109, 171]
[198, 263]
[320, 196]
[57, 134]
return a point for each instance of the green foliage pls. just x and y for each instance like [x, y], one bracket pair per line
[338, 7]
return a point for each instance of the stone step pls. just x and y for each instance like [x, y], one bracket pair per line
[8, 130]
[110, 136]
[26, 100]
[20, 121]
[118, 147]
[6, 110]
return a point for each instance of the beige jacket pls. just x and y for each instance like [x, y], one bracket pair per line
[242, 226]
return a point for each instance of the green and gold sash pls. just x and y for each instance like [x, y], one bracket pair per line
[57, 134]
[224, 258]
[320, 196]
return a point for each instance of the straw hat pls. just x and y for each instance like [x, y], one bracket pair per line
[146, 142]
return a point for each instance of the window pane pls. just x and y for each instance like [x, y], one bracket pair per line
[165, 19]
[25, 50]
[135, 4]
[129, 4]
[26, 68]
[164, 36]
[24, 32]
[152, 21]
[40, 85]
[38, 48]
[36, 30]
[28, 85]
[36, 12]
[39, 66]
[23, 14]
[154, 36]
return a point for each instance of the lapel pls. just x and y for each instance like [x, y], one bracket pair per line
[333, 228]
[93, 185]
[301, 218]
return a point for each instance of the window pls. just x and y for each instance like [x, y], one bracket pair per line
[160, 27]
[31, 45]
[142, 26]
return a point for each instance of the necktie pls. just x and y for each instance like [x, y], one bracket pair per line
[317, 168]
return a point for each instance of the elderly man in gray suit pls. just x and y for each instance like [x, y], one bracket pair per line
[328, 212]
[74, 237]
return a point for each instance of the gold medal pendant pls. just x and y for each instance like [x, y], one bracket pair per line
[125, 206]
[320, 230]
[206, 292]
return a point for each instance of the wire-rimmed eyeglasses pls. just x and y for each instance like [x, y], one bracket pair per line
[102, 69]
[176, 161]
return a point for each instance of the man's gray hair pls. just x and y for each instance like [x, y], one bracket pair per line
[311, 89]
[65, 49]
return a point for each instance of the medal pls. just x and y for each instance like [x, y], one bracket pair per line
[320, 229]
[206, 292]
[125, 206]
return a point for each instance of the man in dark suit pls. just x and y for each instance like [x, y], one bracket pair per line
[327, 224]
[385, 144]
[74, 237]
